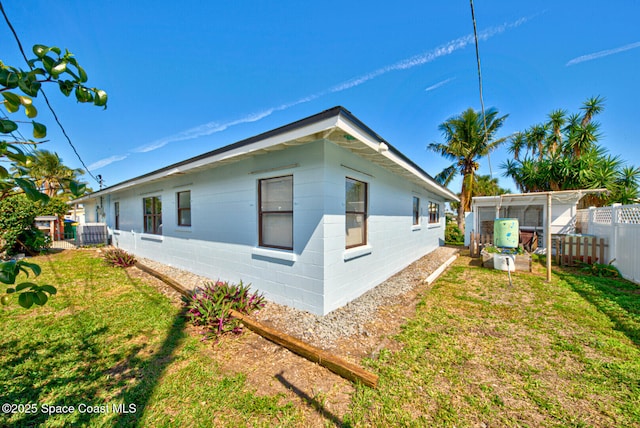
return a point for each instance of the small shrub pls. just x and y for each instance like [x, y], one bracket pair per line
[119, 258]
[209, 306]
[453, 235]
[600, 269]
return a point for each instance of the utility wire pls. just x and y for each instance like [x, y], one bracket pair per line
[22, 141]
[484, 119]
[55, 116]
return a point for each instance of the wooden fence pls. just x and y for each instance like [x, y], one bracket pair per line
[478, 241]
[587, 249]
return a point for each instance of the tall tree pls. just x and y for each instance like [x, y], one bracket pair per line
[564, 154]
[465, 143]
[49, 173]
[18, 88]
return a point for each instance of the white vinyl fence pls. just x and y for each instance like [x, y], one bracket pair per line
[620, 226]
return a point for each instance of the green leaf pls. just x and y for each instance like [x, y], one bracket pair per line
[40, 50]
[49, 289]
[39, 130]
[31, 111]
[8, 78]
[16, 157]
[83, 74]
[40, 298]
[8, 272]
[3, 172]
[12, 98]
[48, 63]
[83, 95]
[26, 300]
[66, 86]
[11, 108]
[7, 126]
[25, 285]
[36, 269]
[30, 190]
[77, 189]
[58, 69]
[55, 49]
[30, 86]
[100, 98]
[11, 290]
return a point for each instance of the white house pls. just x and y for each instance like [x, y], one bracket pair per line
[312, 214]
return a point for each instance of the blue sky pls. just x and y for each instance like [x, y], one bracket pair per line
[187, 78]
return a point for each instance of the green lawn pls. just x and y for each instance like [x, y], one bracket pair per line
[108, 339]
[480, 353]
[477, 353]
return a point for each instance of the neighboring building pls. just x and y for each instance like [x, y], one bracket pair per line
[312, 214]
[529, 209]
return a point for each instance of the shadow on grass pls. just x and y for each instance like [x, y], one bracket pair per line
[313, 402]
[43, 366]
[617, 298]
[137, 398]
[67, 360]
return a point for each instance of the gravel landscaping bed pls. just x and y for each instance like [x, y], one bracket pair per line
[351, 319]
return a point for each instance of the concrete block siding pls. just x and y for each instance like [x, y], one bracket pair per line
[319, 275]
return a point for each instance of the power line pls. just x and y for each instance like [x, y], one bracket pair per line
[484, 119]
[55, 116]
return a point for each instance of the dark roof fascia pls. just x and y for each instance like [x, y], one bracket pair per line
[326, 114]
[335, 111]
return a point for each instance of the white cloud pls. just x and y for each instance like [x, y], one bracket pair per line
[106, 161]
[600, 54]
[405, 64]
[439, 84]
[201, 131]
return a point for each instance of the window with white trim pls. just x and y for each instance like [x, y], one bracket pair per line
[434, 213]
[152, 215]
[416, 211]
[184, 208]
[275, 212]
[355, 213]
[116, 209]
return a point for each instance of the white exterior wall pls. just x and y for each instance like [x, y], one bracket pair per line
[319, 275]
[222, 242]
[393, 241]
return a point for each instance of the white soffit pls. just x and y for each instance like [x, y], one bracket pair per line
[390, 160]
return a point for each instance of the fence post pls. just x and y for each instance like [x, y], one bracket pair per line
[615, 222]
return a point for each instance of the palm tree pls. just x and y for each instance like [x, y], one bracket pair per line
[485, 185]
[571, 158]
[49, 173]
[557, 119]
[518, 142]
[591, 107]
[466, 143]
[536, 137]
